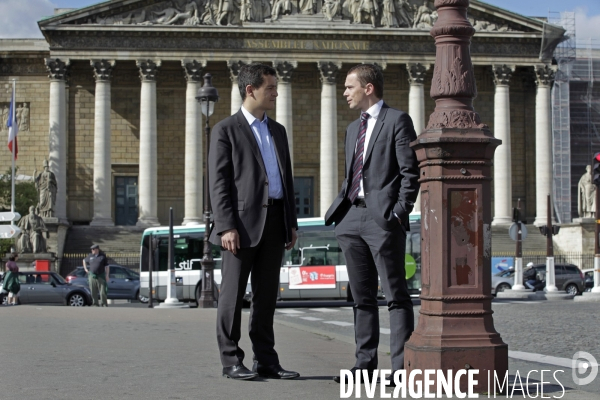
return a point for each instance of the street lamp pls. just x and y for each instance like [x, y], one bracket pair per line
[207, 96]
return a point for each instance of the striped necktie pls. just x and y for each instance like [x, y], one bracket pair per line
[357, 164]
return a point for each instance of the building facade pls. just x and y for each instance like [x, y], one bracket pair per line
[108, 96]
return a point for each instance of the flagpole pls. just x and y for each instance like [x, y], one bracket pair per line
[14, 145]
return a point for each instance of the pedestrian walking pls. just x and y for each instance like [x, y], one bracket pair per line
[252, 195]
[11, 280]
[371, 214]
[96, 266]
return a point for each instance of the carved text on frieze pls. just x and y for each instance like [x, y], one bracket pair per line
[305, 44]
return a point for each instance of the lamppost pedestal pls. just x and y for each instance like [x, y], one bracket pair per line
[455, 329]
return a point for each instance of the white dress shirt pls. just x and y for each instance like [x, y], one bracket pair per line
[373, 114]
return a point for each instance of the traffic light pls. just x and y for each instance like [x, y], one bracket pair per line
[596, 169]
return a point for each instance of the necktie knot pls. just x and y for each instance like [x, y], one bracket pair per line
[364, 116]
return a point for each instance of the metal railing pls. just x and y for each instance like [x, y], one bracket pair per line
[71, 261]
[582, 260]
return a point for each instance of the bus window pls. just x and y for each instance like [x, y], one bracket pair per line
[320, 238]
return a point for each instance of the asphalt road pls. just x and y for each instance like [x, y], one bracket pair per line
[128, 351]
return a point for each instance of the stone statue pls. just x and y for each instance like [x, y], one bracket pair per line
[307, 7]
[425, 17]
[388, 14]
[24, 118]
[45, 183]
[226, 11]
[4, 118]
[586, 195]
[261, 9]
[280, 7]
[208, 15]
[404, 13]
[366, 8]
[33, 227]
[331, 9]
[189, 16]
[246, 10]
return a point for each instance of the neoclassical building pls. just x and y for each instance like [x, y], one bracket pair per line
[110, 96]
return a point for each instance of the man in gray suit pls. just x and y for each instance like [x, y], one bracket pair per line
[252, 195]
[371, 214]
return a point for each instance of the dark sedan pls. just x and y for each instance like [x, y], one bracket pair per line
[49, 287]
[122, 282]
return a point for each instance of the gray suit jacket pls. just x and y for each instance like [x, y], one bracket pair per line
[390, 171]
[238, 183]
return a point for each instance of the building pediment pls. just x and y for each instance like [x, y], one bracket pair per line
[403, 15]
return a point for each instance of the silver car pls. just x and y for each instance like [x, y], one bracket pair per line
[503, 280]
[50, 288]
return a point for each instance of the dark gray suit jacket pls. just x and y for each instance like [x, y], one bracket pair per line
[238, 183]
[390, 171]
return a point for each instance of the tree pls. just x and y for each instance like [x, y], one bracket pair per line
[25, 196]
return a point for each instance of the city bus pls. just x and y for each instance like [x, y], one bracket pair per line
[314, 269]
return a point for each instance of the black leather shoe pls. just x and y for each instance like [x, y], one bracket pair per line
[273, 371]
[391, 378]
[239, 372]
[338, 379]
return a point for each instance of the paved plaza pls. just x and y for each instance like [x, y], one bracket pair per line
[128, 351]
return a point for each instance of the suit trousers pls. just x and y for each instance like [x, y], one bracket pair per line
[264, 261]
[371, 251]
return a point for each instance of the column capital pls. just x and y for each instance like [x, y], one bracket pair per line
[502, 73]
[234, 68]
[102, 69]
[193, 69]
[58, 69]
[329, 71]
[544, 75]
[148, 69]
[285, 69]
[416, 73]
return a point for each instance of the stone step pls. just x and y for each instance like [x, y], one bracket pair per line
[126, 239]
[119, 239]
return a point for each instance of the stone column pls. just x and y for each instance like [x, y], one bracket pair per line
[147, 185]
[502, 159]
[102, 156]
[236, 98]
[284, 100]
[329, 150]
[58, 73]
[416, 106]
[193, 143]
[543, 142]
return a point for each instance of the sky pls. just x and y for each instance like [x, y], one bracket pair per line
[18, 18]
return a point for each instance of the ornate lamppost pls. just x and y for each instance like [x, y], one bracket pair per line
[207, 96]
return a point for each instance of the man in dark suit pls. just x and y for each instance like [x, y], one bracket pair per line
[252, 195]
[371, 214]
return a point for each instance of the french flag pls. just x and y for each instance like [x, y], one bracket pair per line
[13, 125]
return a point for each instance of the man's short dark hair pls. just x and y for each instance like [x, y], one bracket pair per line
[253, 75]
[369, 73]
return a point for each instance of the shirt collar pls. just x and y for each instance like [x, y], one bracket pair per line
[250, 118]
[375, 109]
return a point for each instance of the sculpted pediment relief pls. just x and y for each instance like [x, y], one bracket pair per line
[379, 14]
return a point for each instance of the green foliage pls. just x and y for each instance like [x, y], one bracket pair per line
[25, 196]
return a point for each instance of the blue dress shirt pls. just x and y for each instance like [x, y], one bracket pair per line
[267, 150]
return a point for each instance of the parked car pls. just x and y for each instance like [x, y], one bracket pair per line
[503, 280]
[568, 277]
[123, 283]
[50, 287]
[588, 277]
